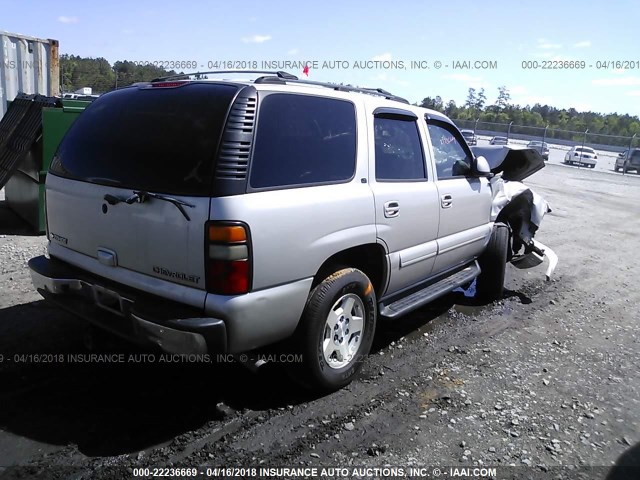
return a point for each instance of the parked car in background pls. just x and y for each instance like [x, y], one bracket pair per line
[470, 137]
[499, 141]
[581, 156]
[628, 160]
[541, 147]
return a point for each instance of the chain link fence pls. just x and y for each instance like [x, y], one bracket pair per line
[568, 138]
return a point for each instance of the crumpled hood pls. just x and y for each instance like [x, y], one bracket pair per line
[515, 163]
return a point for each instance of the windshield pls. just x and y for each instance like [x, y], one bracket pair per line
[153, 139]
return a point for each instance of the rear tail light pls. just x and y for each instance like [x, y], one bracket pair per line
[228, 258]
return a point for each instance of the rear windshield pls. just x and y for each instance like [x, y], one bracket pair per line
[585, 150]
[155, 139]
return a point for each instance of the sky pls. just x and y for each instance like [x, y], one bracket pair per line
[413, 49]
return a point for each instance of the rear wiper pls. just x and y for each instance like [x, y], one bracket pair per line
[140, 196]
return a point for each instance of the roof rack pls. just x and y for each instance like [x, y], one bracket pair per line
[342, 88]
[185, 76]
[284, 78]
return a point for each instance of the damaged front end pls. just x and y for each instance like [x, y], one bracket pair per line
[516, 205]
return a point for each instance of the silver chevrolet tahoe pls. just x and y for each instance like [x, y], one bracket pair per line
[202, 213]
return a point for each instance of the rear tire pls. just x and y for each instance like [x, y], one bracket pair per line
[493, 264]
[336, 330]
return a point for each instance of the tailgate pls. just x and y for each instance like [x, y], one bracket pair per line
[152, 238]
[158, 140]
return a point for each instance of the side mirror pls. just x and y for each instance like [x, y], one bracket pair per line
[482, 167]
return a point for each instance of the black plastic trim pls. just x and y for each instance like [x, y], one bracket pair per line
[236, 144]
[389, 112]
[198, 75]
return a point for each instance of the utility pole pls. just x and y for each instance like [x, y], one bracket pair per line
[584, 139]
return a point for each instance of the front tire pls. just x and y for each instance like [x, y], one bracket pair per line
[493, 265]
[336, 330]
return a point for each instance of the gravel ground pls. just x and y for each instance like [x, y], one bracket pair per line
[542, 384]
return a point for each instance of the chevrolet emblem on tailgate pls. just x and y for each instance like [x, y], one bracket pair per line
[177, 275]
[59, 238]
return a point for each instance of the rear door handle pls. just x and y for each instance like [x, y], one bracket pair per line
[446, 200]
[391, 209]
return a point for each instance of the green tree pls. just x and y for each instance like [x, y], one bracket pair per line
[503, 98]
[480, 100]
[77, 72]
[451, 110]
[433, 103]
[471, 99]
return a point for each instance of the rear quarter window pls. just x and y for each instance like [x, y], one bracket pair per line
[303, 140]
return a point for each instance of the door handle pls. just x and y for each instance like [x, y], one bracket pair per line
[391, 209]
[446, 200]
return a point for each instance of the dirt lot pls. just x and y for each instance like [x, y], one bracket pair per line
[543, 384]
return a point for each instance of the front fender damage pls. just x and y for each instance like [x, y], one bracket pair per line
[522, 210]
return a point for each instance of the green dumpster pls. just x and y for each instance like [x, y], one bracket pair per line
[24, 191]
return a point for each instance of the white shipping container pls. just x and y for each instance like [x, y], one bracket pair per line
[27, 65]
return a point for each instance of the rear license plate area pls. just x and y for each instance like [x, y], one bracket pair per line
[108, 300]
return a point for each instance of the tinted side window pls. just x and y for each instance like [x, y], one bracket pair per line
[452, 159]
[399, 153]
[303, 140]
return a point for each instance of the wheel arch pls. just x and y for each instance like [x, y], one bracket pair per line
[370, 258]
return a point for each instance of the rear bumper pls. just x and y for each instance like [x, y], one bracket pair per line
[587, 161]
[137, 316]
[580, 162]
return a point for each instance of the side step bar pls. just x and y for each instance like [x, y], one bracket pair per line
[429, 293]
